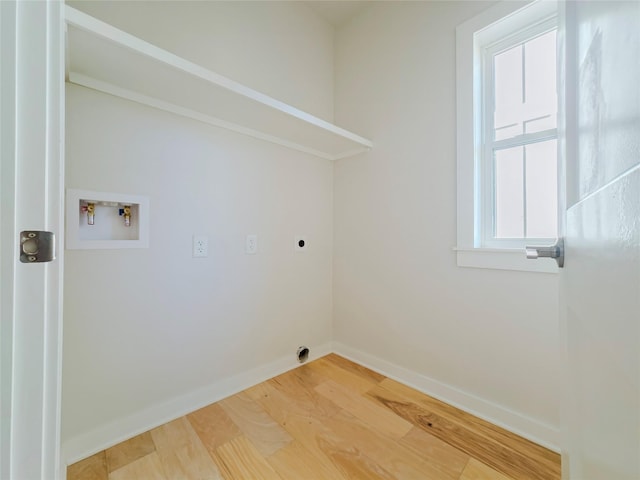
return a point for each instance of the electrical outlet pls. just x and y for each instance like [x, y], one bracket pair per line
[300, 243]
[200, 246]
[251, 244]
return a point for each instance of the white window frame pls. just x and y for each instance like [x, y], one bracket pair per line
[494, 24]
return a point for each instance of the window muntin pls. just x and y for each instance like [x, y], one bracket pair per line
[518, 164]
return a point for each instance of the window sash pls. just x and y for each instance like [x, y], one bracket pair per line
[490, 216]
[486, 180]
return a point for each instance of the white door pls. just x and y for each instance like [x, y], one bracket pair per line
[600, 284]
[31, 121]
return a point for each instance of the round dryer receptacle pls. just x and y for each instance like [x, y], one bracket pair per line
[302, 354]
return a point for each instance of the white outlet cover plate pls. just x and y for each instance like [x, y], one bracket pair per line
[296, 243]
[200, 246]
[251, 244]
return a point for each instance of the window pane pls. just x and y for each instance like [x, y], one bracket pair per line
[540, 83]
[541, 187]
[525, 99]
[509, 195]
[508, 93]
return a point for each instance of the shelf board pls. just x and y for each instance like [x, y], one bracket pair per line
[104, 58]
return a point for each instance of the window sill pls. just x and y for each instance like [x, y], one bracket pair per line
[503, 259]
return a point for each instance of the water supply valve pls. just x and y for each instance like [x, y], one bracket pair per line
[91, 212]
[126, 212]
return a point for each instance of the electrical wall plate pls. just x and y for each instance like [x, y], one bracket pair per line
[200, 247]
[251, 244]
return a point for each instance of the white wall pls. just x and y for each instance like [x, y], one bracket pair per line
[486, 339]
[151, 331]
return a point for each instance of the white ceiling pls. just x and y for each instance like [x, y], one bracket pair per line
[338, 12]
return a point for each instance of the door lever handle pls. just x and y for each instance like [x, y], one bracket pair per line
[551, 251]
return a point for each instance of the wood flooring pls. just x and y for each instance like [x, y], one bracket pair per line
[329, 419]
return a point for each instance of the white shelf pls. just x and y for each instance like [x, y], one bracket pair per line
[104, 58]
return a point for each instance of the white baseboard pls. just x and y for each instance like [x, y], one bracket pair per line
[87, 444]
[105, 436]
[538, 432]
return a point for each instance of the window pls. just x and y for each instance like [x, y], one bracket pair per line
[507, 135]
[519, 132]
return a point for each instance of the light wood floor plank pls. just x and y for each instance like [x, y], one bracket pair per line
[305, 428]
[181, 452]
[190, 462]
[364, 372]
[476, 470]
[547, 461]
[173, 435]
[440, 420]
[395, 459]
[353, 381]
[301, 393]
[213, 426]
[278, 405]
[92, 468]
[353, 463]
[381, 419]
[239, 459]
[472, 422]
[256, 424]
[321, 442]
[443, 459]
[296, 462]
[148, 467]
[128, 451]
[295, 396]
[306, 375]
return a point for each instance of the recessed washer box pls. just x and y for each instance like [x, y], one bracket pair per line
[119, 220]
